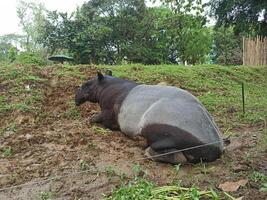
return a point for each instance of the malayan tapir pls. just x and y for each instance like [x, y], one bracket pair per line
[169, 118]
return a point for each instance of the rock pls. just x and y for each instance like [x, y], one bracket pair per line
[234, 145]
[163, 84]
[232, 186]
[238, 168]
[8, 133]
[28, 136]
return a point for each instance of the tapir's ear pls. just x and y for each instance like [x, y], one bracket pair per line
[109, 72]
[100, 76]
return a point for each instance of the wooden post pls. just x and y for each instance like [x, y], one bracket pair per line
[243, 98]
[244, 50]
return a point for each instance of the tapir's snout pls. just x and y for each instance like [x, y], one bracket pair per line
[78, 96]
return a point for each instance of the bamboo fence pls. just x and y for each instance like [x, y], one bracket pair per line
[255, 51]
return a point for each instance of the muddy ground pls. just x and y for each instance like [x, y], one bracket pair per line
[58, 153]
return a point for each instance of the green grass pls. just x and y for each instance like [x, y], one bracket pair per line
[217, 87]
[7, 152]
[141, 189]
[22, 93]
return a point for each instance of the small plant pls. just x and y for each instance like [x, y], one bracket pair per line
[29, 58]
[84, 165]
[257, 177]
[123, 176]
[263, 188]
[138, 190]
[7, 152]
[12, 127]
[91, 146]
[46, 195]
[72, 112]
[247, 157]
[177, 168]
[100, 131]
[138, 171]
[110, 172]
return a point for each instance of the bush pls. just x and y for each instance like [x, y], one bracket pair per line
[30, 58]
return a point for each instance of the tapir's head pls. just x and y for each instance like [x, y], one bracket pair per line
[90, 89]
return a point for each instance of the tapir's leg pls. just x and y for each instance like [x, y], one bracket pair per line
[98, 118]
[108, 120]
[172, 158]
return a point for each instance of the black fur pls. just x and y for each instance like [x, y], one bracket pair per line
[109, 92]
[164, 138]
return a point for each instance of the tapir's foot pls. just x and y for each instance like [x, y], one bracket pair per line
[96, 118]
[174, 158]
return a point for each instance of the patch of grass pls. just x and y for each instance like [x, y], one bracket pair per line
[258, 177]
[7, 152]
[71, 112]
[141, 189]
[45, 195]
[11, 127]
[100, 131]
[20, 89]
[247, 157]
[110, 172]
[91, 146]
[265, 134]
[263, 188]
[84, 165]
[177, 168]
[138, 171]
[69, 71]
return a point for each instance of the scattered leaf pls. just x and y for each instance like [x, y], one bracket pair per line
[232, 186]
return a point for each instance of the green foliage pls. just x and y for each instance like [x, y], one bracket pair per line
[263, 187]
[84, 165]
[19, 97]
[139, 189]
[258, 177]
[46, 195]
[227, 47]
[32, 18]
[142, 189]
[7, 152]
[8, 51]
[29, 58]
[12, 53]
[118, 31]
[110, 172]
[248, 16]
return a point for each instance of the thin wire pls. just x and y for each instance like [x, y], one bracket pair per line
[76, 173]
[48, 180]
[178, 151]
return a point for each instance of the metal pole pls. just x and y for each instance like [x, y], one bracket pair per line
[243, 98]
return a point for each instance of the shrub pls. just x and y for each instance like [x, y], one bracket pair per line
[30, 58]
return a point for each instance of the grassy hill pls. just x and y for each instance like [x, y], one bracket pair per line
[37, 100]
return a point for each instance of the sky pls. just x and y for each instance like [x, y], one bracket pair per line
[9, 22]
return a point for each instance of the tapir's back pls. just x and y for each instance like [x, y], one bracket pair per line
[146, 105]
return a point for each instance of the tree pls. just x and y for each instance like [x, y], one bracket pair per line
[186, 6]
[249, 16]
[32, 17]
[108, 28]
[56, 32]
[227, 47]
[110, 31]
[9, 45]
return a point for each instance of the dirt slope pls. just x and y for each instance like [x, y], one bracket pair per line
[57, 153]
